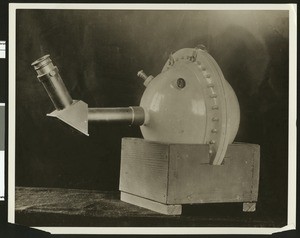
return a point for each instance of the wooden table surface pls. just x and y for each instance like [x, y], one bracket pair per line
[86, 208]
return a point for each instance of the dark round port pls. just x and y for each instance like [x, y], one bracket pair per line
[180, 83]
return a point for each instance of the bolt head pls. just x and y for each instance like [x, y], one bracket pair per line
[52, 73]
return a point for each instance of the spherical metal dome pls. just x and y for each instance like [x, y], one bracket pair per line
[190, 102]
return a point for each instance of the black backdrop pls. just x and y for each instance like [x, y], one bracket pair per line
[98, 54]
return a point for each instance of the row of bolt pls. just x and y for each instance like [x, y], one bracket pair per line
[213, 96]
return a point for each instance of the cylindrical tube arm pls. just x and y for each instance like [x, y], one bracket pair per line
[75, 112]
[49, 76]
[126, 115]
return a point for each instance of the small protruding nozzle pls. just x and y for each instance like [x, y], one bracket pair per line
[49, 76]
[147, 79]
[142, 75]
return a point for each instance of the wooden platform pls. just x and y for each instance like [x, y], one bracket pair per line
[86, 208]
[158, 175]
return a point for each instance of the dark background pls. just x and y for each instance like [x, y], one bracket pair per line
[98, 54]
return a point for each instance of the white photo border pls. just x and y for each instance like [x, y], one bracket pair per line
[292, 147]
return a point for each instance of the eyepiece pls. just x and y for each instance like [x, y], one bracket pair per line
[49, 76]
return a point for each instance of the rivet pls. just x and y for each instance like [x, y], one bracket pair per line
[210, 85]
[213, 95]
[171, 59]
[215, 119]
[52, 73]
[214, 130]
[203, 68]
[212, 142]
[215, 107]
[202, 47]
[207, 76]
[194, 56]
[210, 151]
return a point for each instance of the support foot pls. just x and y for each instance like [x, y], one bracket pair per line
[151, 205]
[249, 206]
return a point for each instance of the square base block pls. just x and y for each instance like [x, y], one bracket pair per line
[176, 174]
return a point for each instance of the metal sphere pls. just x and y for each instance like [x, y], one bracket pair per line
[191, 102]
